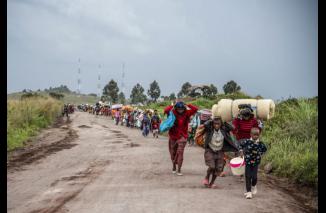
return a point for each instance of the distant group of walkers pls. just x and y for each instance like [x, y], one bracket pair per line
[218, 141]
[144, 120]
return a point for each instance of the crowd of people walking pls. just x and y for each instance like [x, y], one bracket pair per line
[239, 137]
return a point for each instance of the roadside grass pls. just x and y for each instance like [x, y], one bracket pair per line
[26, 117]
[292, 140]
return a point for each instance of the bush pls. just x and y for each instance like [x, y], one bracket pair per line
[27, 116]
[292, 140]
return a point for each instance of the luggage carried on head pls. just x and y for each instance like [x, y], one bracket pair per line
[168, 123]
[228, 109]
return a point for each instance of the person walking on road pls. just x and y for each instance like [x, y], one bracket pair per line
[252, 149]
[217, 141]
[117, 116]
[178, 134]
[155, 124]
[145, 124]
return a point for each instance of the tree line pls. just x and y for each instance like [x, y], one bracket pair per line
[111, 92]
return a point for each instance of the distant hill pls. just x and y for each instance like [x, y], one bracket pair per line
[68, 98]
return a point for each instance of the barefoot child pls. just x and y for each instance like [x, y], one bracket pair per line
[252, 149]
[217, 141]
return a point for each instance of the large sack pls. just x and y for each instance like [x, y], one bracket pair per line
[168, 123]
[200, 136]
[223, 109]
[264, 109]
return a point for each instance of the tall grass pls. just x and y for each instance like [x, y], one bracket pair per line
[292, 139]
[26, 117]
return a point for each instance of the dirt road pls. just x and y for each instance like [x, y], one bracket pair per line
[91, 165]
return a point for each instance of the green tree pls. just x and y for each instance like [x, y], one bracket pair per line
[194, 93]
[231, 87]
[92, 94]
[209, 91]
[259, 97]
[56, 95]
[154, 91]
[111, 91]
[172, 96]
[122, 98]
[184, 90]
[137, 94]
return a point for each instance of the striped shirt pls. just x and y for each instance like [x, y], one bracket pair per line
[243, 127]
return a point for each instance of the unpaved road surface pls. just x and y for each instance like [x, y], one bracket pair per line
[91, 165]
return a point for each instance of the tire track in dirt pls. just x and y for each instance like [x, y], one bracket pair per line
[67, 188]
[41, 149]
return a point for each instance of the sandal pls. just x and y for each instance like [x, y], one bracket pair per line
[205, 182]
[214, 186]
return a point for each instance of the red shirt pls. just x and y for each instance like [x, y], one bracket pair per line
[243, 127]
[180, 128]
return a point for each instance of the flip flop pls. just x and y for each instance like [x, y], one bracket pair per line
[205, 182]
[214, 186]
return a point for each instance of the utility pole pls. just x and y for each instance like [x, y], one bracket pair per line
[99, 83]
[123, 76]
[79, 78]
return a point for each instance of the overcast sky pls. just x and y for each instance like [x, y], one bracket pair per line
[269, 47]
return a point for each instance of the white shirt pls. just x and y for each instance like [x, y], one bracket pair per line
[216, 143]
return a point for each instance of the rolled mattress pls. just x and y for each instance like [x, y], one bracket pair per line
[264, 109]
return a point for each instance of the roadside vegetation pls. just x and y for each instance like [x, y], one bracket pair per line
[292, 139]
[27, 116]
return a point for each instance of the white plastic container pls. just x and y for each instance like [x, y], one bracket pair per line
[237, 166]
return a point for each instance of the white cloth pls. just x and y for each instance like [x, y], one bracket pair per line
[216, 143]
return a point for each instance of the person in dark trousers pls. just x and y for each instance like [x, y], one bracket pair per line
[65, 111]
[217, 141]
[178, 134]
[252, 149]
[155, 124]
[145, 124]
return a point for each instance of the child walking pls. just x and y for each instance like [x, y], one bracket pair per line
[217, 141]
[252, 149]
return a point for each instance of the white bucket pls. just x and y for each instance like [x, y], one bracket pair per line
[237, 166]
